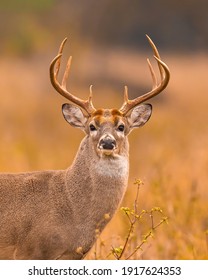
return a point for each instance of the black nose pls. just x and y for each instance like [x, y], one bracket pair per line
[107, 144]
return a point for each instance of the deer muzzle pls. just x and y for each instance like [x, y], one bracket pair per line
[107, 143]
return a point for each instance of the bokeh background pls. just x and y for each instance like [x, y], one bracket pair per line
[109, 48]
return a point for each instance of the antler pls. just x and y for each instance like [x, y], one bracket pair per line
[61, 88]
[156, 88]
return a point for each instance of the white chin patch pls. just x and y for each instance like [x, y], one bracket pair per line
[105, 152]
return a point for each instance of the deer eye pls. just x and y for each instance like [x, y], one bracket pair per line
[92, 127]
[121, 127]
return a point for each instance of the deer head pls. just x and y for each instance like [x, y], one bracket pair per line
[108, 128]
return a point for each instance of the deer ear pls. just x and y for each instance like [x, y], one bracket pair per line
[139, 115]
[73, 115]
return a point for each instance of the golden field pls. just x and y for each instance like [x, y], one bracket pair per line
[169, 154]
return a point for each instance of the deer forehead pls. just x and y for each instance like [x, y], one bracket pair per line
[102, 116]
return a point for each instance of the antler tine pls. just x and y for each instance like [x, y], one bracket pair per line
[154, 78]
[61, 88]
[66, 73]
[156, 89]
[59, 54]
[156, 54]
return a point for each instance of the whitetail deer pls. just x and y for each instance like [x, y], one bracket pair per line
[55, 214]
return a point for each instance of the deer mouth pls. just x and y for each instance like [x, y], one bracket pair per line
[107, 152]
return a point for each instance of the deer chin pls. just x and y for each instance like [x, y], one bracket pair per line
[107, 153]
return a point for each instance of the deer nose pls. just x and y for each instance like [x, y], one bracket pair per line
[107, 143]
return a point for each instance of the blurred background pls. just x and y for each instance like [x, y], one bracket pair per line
[109, 48]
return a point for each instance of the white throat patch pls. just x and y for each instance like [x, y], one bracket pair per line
[113, 167]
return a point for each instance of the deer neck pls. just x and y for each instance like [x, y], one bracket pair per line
[100, 181]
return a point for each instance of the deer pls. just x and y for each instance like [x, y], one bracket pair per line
[55, 214]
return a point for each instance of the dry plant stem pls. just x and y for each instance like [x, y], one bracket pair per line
[136, 200]
[147, 236]
[114, 253]
[132, 222]
[152, 219]
[127, 239]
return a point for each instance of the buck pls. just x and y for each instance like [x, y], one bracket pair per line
[55, 214]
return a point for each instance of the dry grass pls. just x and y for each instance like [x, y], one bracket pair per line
[169, 154]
